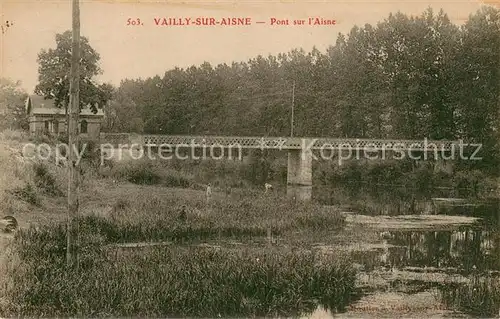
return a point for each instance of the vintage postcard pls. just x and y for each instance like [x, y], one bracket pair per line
[250, 158]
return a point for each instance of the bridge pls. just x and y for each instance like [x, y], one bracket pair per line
[301, 151]
[279, 143]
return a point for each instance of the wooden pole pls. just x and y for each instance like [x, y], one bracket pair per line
[293, 106]
[73, 173]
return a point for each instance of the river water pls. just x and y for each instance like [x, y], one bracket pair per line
[444, 257]
[465, 247]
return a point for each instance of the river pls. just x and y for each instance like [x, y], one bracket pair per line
[406, 262]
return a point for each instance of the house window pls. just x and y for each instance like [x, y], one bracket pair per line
[47, 126]
[55, 126]
[83, 127]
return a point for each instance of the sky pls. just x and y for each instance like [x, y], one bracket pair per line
[140, 51]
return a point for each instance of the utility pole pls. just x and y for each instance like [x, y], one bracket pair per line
[293, 106]
[73, 137]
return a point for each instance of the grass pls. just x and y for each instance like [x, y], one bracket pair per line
[180, 280]
[175, 281]
[480, 297]
[144, 215]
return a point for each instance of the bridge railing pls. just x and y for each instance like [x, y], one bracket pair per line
[281, 143]
[389, 144]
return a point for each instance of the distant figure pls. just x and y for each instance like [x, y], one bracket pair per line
[268, 187]
[209, 192]
[385, 235]
[183, 214]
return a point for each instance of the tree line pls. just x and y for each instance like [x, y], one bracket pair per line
[406, 77]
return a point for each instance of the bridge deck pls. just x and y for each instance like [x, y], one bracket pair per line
[280, 143]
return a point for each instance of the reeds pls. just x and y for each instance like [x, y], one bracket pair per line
[480, 297]
[172, 280]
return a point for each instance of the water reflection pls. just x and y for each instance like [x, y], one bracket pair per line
[431, 256]
[462, 250]
[394, 201]
[458, 250]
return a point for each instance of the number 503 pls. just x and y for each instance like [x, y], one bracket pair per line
[131, 21]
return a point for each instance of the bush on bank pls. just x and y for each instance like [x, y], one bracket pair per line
[189, 172]
[422, 178]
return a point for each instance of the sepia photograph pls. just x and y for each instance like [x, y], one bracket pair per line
[250, 159]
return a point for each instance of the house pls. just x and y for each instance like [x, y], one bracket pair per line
[45, 118]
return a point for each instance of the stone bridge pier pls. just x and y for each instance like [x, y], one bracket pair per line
[299, 174]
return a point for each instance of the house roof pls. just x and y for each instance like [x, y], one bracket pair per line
[37, 104]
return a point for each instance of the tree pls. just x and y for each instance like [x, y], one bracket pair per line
[54, 68]
[478, 90]
[123, 114]
[12, 112]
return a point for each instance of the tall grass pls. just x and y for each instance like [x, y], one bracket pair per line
[170, 281]
[179, 280]
[480, 298]
[148, 217]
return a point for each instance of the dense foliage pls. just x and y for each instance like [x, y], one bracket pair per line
[54, 74]
[12, 111]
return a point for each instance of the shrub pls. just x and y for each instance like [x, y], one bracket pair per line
[91, 152]
[171, 178]
[45, 181]
[424, 179]
[28, 194]
[137, 172]
[472, 182]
